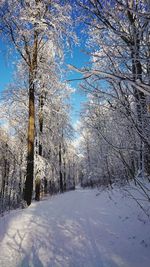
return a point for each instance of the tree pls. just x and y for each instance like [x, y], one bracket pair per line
[29, 25]
[119, 47]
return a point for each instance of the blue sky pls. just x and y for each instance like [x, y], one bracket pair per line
[78, 59]
[6, 66]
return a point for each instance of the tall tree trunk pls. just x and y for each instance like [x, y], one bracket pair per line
[65, 186]
[30, 157]
[41, 104]
[60, 170]
[139, 96]
[141, 114]
[31, 124]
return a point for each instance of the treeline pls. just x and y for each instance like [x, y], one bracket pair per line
[115, 123]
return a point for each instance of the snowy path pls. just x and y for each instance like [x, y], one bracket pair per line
[76, 229]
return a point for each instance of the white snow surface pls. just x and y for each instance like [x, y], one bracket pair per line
[81, 228]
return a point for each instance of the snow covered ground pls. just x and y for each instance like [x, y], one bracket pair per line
[81, 228]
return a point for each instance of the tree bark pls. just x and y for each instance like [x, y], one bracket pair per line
[30, 156]
[60, 170]
[31, 124]
[41, 104]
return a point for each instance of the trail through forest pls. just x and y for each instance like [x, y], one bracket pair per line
[77, 229]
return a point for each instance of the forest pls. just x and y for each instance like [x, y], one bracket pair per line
[36, 132]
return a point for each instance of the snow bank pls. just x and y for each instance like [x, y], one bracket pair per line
[82, 228]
